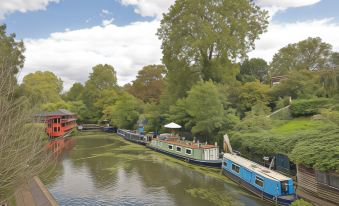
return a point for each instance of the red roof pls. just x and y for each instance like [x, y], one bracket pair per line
[189, 144]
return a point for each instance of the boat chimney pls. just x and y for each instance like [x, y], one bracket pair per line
[216, 144]
[198, 144]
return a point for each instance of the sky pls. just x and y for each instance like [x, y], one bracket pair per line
[69, 37]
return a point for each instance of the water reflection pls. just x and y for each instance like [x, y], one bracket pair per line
[105, 170]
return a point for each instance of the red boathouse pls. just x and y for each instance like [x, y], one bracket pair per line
[59, 123]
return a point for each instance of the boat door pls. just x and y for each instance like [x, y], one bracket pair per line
[206, 154]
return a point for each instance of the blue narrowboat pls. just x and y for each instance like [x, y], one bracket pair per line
[263, 182]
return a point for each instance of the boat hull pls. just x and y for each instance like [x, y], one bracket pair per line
[206, 163]
[278, 201]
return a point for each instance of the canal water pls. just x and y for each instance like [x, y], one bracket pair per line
[104, 169]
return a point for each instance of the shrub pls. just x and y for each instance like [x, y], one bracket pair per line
[308, 107]
[301, 202]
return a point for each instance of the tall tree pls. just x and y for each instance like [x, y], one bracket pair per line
[149, 84]
[103, 78]
[22, 149]
[309, 54]
[74, 92]
[125, 112]
[201, 39]
[11, 56]
[42, 87]
[255, 68]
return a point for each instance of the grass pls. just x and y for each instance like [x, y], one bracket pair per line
[297, 125]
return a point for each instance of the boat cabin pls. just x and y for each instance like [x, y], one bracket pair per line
[189, 149]
[59, 123]
[257, 178]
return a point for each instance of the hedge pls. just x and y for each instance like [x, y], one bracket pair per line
[308, 107]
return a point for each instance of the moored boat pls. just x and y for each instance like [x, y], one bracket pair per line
[189, 151]
[262, 181]
[132, 136]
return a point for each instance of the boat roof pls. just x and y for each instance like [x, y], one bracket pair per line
[255, 167]
[59, 112]
[188, 144]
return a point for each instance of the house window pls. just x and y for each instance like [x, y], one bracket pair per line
[178, 149]
[55, 120]
[63, 124]
[188, 151]
[259, 181]
[55, 129]
[235, 168]
[170, 147]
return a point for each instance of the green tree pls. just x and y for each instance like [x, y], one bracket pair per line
[253, 69]
[42, 87]
[149, 84]
[74, 92]
[299, 84]
[101, 80]
[250, 94]
[201, 39]
[11, 53]
[125, 112]
[309, 54]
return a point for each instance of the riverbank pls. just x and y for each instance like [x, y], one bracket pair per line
[34, 193]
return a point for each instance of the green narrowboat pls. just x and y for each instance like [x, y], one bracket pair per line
[192, 152]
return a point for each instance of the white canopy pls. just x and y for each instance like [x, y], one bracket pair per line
[172, 125]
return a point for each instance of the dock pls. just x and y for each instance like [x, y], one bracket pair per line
[34, 193]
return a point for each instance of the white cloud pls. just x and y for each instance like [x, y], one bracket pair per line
[72, 54]
[153, 8]
[107, 22]
[10, 6]
[274, 6]
[282, 34]
[104, 11]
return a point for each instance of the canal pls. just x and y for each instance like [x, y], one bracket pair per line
[104, 169]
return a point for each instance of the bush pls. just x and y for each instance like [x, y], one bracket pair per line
[308, 107]
[301, 202]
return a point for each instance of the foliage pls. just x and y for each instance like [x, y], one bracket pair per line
[329, 79]
[250, 94]
[42, 87]
[75, 92]
[293, 138]
[125, 112]
[307, 107]
[253, 69]
[301, 202]
[11, 53]
[331, 115]
[309, 54]
[22, 153]
[200, 39]
[149, 84]
[299, 84]
[322, 154]
[101, 81]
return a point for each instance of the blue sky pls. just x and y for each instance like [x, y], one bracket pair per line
[68, 37]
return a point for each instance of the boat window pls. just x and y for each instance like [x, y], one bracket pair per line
[284, 187]
[259, 181]
[178, 149]
[170, 147]
[235, 168]
[188, 151]
[334, 181]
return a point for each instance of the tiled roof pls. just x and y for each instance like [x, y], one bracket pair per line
[189, 144]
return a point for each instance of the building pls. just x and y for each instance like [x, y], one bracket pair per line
[59, 123]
